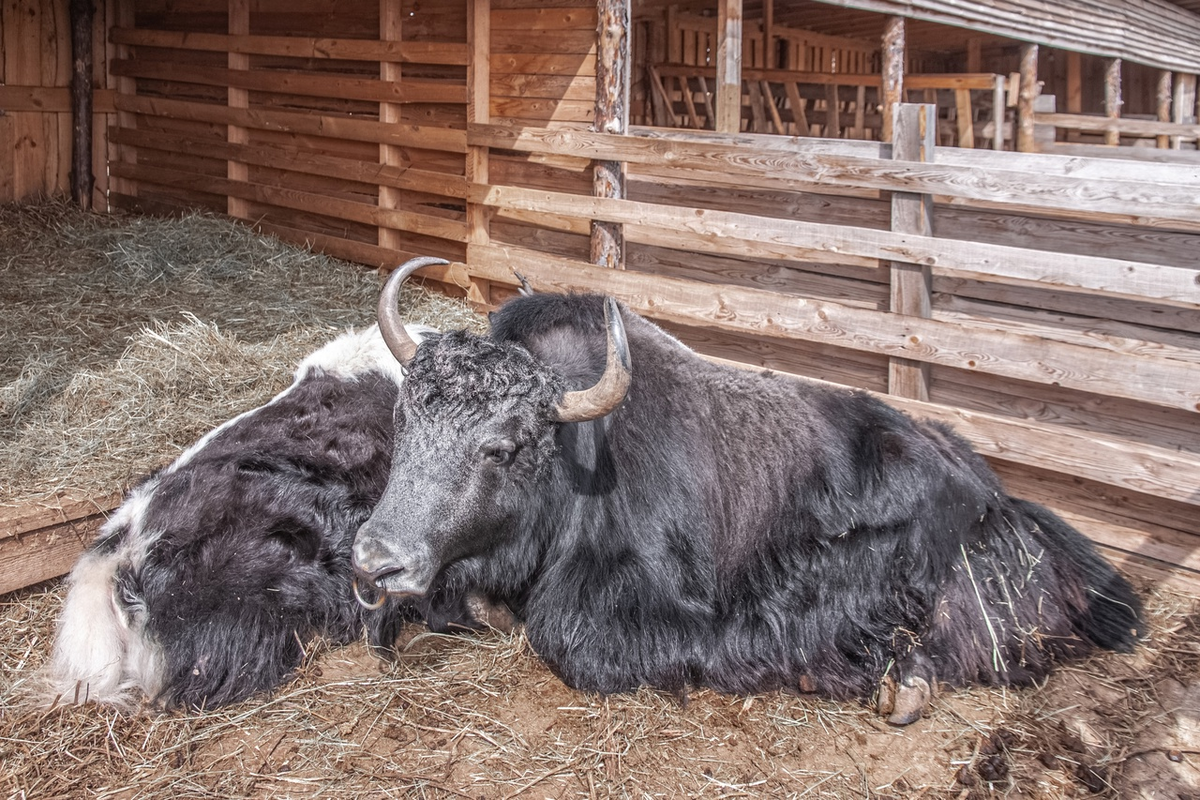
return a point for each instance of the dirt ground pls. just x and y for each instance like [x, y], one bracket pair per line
[474, 716]
[479, 716]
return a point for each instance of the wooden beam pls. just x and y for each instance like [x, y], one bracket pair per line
[121, 14]
[1112, 100]
[1163, 96]
[912, 284]
[893, 73]
[239, 25]
[479, 99]
[82, 14]
[612, 117]
[42, 540]
[974, 54]
[1074, 82]
[391, 29]
[729, 66]
[1028, 93]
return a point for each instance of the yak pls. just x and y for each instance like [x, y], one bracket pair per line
[657, 519]
[208, 581]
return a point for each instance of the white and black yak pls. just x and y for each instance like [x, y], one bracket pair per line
[691, 524]
[206, 584]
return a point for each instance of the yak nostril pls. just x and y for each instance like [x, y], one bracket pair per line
[373, 580]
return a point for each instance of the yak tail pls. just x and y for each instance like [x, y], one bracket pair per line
[1110, 614]
[98, 657]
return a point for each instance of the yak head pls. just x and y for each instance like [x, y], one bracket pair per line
[478, 437]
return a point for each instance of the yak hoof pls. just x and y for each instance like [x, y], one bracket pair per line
[489, 614]
[908, 700]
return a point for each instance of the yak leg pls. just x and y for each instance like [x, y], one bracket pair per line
[904, 698]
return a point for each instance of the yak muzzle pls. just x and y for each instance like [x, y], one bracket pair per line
[390, 569]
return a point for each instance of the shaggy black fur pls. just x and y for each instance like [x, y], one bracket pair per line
[250, 541]
[722, 528]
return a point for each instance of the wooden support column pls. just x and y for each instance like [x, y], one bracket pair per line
[479, 98]
[1074, 83]
[770, 59]
[611, 116]
[912, 284]
[82, 181]
[391, 29]
[729, 66]
[122, 16]
[1184, 106]
[1112, 100]
[239, 25]
[893, 73]
[1163, 96]
[1028, 93]
[974, 54]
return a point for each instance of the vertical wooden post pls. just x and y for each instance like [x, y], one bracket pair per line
[1028, 93]
[729, 66]
[479, 98]
[239, 25]
[1112, 100]
[1074, 83]
[1163, 96]
[1184, 107]
[893, 72]
[974, 54]
[770, 52]
[82, 15]
[122, 16]
[391, 29]
[912, 284]
[611, 116]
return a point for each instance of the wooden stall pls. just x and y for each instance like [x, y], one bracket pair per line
[1043, 304]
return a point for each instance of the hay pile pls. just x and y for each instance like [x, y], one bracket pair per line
[125, 339]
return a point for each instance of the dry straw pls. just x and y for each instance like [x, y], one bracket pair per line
[125, 338]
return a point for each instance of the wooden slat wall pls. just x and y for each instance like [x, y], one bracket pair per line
[35, 79]
[291, 123]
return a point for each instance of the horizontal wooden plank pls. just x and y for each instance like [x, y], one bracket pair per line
[298, 159]
[560, 87]
[337, 208]
[728, 232]
[401, 134]
[312, 84]
[1159, 381]
[979, 81]
[42, 540]
[447, 53]
[50, 99]
[1134, 199]
[1133, 127]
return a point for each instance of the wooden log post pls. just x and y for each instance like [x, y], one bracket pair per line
[479, 76]
[1074, 82]
[729, 66]
[770, 57]
[893, 73]
[239, 25]
[1025, 98]
[1163, 106]
[1112, 101]
[82, 181]
[914, 130]
[611, 116]
[1184, 106]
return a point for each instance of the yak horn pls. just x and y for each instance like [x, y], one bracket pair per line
[390, 324]
[609, 391]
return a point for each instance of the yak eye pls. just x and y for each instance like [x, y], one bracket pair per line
[500, 452]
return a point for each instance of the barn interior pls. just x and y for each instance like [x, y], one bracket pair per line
[1015, 256]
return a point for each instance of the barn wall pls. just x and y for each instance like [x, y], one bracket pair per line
[35, 100]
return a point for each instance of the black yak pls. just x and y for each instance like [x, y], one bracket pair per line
[691, 524]
[208, 581]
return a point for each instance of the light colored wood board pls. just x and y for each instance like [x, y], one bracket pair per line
[20, 519]
[543, 63]
[1055, 407]
[517, 171]
[1048, 299]
[339, 127]
[1161, 576]
[1123, 125]
[550, 19]
[1098, 334]
[449, 53]
[542, 109]
[1145, 378]
[724, 231]
[44, 554]
[298, 83]
[303, 201]
[28, 155]
[577, 41]
[556, 87]
[547, 221]
[790, 278]
[7, 147]
[301, 160]
[508, 231]
[830, 364]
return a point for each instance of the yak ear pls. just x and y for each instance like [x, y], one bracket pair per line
[302, 540]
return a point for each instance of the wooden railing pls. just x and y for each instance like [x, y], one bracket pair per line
[971, 107]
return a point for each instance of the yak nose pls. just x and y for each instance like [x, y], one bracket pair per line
[370, 557]
[394, 569]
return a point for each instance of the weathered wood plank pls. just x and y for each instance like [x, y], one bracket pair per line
[719, 231]
[43, 540]
[447, 53]
[1159, 381]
